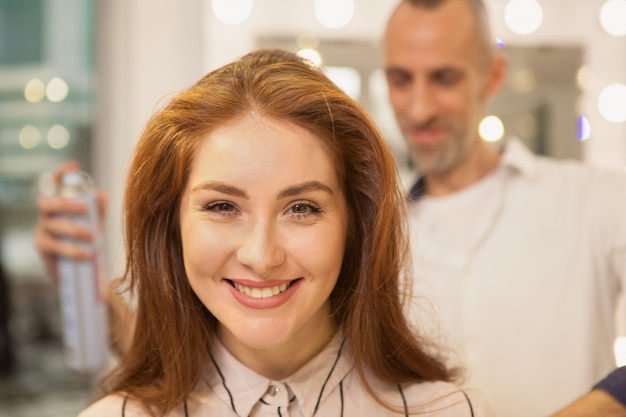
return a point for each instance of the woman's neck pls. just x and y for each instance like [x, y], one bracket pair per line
[280, 361]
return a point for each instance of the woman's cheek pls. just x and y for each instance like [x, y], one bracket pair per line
[204, 248]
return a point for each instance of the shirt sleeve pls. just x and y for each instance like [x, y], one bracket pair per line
[615, 384]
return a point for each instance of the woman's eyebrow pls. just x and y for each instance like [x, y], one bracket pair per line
[287, 192]
[306, 186]
[220, 187]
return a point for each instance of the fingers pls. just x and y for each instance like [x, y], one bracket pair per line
[50, 181]
[102, 201]
[50, 206]
[102, 208]
[50, 245]
[53, 233]
[63, 168]
[54, 221]
[57, 232]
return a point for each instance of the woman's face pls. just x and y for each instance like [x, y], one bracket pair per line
[263, 224]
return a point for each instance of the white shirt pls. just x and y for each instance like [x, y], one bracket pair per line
[525, 268]
[326, 386]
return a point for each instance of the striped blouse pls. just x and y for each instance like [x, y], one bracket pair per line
[326, 386]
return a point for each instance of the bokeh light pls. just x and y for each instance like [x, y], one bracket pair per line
[612, 103]
[334, 13]
[232, 12]
[523, 16]
[613, 17]
[583, 78]
[34, 90]
[491, 129]
[584, 128]
[58, 137]
[29, 137]
[57, 90]
[312, 55]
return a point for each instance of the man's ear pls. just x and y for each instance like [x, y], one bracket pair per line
[496, 75]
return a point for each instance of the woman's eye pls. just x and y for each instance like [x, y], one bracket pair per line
[221, 207]
[304, 209]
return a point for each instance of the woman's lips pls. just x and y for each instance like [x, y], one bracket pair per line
[263, 295]
[264, 292]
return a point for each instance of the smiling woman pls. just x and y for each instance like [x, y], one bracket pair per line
[248, 243]
[265, 230]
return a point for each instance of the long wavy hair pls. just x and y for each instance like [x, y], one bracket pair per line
[173, 329]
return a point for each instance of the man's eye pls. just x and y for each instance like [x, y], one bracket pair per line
[397, 80]
[447, 77]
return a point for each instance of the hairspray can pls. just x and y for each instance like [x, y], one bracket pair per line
[83, 309]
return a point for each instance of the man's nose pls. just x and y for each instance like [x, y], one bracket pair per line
[421, 106]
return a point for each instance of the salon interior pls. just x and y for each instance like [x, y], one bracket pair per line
[79, 78]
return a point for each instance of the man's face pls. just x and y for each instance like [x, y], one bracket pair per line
[437, 79]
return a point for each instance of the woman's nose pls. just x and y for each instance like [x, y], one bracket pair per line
[260, 249]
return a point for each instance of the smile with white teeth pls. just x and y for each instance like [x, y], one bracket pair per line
[261, 292]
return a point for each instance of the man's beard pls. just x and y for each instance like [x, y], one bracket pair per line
[442, 159]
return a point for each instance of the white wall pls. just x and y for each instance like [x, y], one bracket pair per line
[147, 50]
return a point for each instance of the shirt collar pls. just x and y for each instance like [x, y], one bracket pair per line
[234, 383]
[321, 375]
[515, 156]
[241, 388]
[519, 158]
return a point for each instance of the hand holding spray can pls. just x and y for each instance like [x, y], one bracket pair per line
[83, 307]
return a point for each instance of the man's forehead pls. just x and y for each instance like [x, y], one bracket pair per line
[425, 38]
[453, 18]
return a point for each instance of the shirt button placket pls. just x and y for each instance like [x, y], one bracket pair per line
[275, 401]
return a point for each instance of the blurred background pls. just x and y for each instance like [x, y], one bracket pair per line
[79, 78]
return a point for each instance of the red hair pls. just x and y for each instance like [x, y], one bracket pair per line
[173, 329]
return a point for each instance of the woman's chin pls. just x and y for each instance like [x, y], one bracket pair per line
[264, 336]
